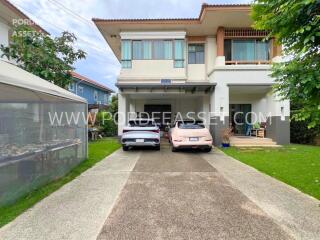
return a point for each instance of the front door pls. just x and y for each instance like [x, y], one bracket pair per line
[238, 113]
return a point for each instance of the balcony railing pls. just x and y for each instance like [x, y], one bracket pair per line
[262, 62]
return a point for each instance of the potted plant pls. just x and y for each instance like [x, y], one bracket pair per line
[225, 135]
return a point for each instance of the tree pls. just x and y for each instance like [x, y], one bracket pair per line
[114, 105]
[46, 57]
[296, 25]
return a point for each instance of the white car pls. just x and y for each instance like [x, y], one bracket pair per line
[141, 132]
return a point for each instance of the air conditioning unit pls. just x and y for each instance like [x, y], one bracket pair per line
[98, 102]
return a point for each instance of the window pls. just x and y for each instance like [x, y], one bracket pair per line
[246, 50]
[106, 98]
[147, 50]
[137, 50]
[196, 54]
[158, 49]
[80, 90]
[126, 54]
[243, 50]
[95, 95]
[167, 49]
[262, 50]
[179, 53]
[71, 86]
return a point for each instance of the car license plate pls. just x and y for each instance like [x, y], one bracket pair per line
[193, 139]
[140, 140]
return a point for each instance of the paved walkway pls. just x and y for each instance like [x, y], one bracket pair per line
[164, 195]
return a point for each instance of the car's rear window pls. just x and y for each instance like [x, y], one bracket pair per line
[190, 125]
[142, 123]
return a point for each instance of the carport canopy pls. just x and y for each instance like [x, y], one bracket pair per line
[178, 87]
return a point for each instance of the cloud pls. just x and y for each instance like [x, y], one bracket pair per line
[75, 16]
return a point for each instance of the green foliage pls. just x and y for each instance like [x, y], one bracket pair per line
[110, 129]
[97, 151]
[296, 165]
[296, 25]
[46, 57]
[114, 104]
[299, 131]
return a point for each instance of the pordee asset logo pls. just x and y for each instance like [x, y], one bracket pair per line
[208, 118]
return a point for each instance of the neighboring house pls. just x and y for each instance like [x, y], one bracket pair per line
[9, 16]
[215, 63]
[97, 95]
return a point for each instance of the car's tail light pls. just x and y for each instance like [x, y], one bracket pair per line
[177, 140]
[156, 131]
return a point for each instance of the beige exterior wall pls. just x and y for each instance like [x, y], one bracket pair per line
[153, 69]
[197, 73]
[4, 34]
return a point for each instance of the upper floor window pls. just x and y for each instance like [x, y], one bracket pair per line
[179, 53]
[71, 86]
[152, 50]
[80, 90]
[126, 52]
[106, 98]
[247, 50]
[95, 95]
[196, 54]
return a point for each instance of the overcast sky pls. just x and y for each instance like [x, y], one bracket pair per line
[75, 16]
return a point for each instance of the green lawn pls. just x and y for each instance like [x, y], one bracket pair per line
[97, 151]
[296, 165]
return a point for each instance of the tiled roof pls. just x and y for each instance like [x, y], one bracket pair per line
[204, 6]
[92, 82]
[21, 14]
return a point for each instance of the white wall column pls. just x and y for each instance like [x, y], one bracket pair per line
[219, 104]
[278, 125]
[122, 111]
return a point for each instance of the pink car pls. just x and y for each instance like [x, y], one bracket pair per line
[190, 134]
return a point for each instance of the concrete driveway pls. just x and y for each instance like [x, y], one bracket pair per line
[163, 195]
[181, 196]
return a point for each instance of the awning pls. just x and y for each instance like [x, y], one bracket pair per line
[187, 87]
[14, 76]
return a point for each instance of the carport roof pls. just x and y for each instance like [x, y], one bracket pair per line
[193, 87]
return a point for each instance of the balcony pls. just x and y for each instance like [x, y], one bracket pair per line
[245, 46]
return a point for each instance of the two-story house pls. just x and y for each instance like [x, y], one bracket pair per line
[215, 64]
[97, 95]
[10, 16]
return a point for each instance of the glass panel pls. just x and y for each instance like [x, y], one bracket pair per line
[262, 50]
[179, 63]
[200, 57]
[227, 49]
[147, 49]
[158, 49]
[126, 63]
[179, 49]
[243, 50]
[126, 50]
[196, 54]
[168, 49]
[136, 49]
[192, 58]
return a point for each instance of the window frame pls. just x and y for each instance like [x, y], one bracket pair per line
[269, 53]
[95, 95]
[72, 86]
[126, 63]
[172, 41]
[175, 59]
[195, 53]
